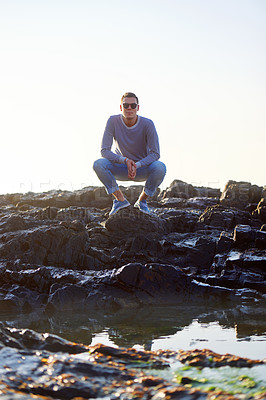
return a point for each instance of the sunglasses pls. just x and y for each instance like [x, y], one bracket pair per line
[133, 105]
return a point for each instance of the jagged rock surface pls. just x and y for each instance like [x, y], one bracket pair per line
[61, 249]
[45, 366]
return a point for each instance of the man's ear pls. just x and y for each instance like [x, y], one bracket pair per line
[120, 107]
[138, 108]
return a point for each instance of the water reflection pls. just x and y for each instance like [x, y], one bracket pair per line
[148, 325]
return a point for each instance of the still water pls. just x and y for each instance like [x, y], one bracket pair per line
[239, 330]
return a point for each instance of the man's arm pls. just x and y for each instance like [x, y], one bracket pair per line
[153, 146]
[107, 142]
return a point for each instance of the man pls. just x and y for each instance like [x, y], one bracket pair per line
[135, 156]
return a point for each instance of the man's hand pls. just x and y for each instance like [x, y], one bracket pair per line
[132, 169]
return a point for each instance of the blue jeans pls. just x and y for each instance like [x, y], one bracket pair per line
[108, 172]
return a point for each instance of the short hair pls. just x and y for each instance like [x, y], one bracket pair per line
[129, 94]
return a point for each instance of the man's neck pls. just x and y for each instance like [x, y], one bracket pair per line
[130, 122]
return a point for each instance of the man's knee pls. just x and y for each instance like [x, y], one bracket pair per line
[99, 164]
[159, 168]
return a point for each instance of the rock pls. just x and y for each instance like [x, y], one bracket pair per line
[244, 235]
[59, 245]
[207, 358]
[197, 203]
[49, 367]
[68, 296]
[70, 254]
[225, 242]
[236, 278]
[132, 192]
[191, 252]
[240, 194]
[226, 218]
[208, 192]
[132, 285]
[100, 198]
[11, 223]
[179, 220]
[180, 189]
[253, 260]
[183, 190]
[130, 221]
[16, 298]
[60, 251]
[260, 211]
[27, 339]
[48, 374]
[170, 284]
[174, 202]
[260, 240]
[87, 197]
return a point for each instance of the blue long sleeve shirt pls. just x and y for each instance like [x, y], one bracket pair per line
[139, 142]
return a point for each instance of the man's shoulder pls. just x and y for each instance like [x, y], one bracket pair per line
[146, 121]
[115, 118]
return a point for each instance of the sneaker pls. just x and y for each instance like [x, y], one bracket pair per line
[118, 205]
[142, 206]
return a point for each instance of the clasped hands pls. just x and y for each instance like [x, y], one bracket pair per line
[131, 168]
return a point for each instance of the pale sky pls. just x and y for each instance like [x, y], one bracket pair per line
[197, 66]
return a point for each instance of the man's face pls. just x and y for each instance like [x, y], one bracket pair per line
[129, 113]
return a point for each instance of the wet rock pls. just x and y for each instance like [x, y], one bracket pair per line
[226, 218]
[28, 339]
[207, 358]
[63, 244]
[260, 211]
[190, 251]
[67, 296]
[100, 237]
[173, 202]
[253, 260]
[138, 248]
[179, 220]
[56, 376]
[142, 243]
[130, 221]
[238, 279]
[244, 235]
[82, 214]
[57, 231]
[16, 298]
[170, 284]
[132, 285]
[36, 365]
[225, 242]
[260, 240]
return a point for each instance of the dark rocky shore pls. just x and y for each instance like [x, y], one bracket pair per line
[59, 251]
